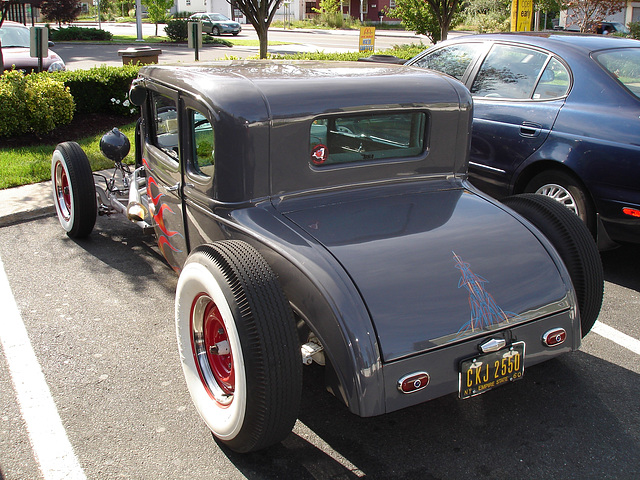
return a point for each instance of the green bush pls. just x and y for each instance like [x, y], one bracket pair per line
[79, 33]
[177, 30]
[101, 89]
[207, 40]
[634, 29]
[182, 14]
[33, 103]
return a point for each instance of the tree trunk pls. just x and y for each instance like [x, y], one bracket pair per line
[444, 32]
[264, 43]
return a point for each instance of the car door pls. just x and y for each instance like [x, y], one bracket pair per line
[207, 23]
[162, 158]
[199, 161]
[518, 92]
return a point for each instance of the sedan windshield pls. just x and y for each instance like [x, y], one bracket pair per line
[14, 36]
[624, 65]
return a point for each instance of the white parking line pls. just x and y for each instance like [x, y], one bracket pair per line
[616, 336]
[48, 437]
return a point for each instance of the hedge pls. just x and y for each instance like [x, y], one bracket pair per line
[79, 33]
[101, 89]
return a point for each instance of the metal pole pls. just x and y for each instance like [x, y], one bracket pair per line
[196, 40]
[39, 48]
[139, 21]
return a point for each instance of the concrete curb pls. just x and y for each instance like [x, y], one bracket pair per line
[28, 202]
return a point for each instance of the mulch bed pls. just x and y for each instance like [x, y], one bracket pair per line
[83, 125]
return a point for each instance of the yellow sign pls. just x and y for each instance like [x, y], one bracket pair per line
[367, 39]
[521, 14]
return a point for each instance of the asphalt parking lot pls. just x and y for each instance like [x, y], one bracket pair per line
[98, 315]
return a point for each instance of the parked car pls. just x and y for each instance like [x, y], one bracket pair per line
[320, 212]
[608, 28]
[555, 114]
[216, 23]
[600, 28]
[15, 39]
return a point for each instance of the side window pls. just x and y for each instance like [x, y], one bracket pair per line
[453, 60]
[509, 72]
[361, 138]
[165, 113]
[554, 81]
[203, 154]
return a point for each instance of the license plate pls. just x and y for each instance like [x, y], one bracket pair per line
[490, 370]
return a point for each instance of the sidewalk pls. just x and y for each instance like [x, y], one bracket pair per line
[28, 202]
[20, 204]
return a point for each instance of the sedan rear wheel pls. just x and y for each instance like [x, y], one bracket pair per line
[238, 346]
[564, 189]
[215, 31]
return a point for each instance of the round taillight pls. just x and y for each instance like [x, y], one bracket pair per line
[413, 382]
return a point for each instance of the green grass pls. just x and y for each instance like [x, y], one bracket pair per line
[133, 39]
[25, 165]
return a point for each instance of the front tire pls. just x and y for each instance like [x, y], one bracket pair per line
[74, 192]
[238, 346]
[575, 245]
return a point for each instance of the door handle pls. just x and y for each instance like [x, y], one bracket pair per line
[529, 130]
[173, 189]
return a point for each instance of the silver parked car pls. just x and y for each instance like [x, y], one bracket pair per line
[216, 23]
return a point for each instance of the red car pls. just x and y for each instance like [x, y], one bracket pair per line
[14, 40]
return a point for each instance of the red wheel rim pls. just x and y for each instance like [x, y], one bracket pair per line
[211, 350]
[63, 192]
[215, 334]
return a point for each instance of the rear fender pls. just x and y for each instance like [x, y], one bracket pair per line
[322, 294]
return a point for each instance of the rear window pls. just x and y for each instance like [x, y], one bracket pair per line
[624, 65]
[363, 138]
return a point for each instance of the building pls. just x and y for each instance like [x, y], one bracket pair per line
[630, 13]
[22, 11]
[364, 10]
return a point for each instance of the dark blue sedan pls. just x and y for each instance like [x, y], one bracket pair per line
[555, 114]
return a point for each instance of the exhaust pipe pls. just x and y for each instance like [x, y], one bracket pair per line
[136, 211]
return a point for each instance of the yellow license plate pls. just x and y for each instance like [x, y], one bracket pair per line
[490, 370]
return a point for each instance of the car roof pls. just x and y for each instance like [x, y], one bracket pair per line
[556, 41]
[322, 86]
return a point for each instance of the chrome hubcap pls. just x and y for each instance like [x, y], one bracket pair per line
[559, 194]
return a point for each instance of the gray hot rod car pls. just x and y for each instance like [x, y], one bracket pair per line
[320, 212]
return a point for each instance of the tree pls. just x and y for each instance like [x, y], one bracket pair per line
[587, 13]
[260, 14]
[417, 16]
[61, 11]
[158, 11]
[445, 13]
[432, 18]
